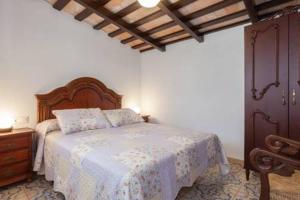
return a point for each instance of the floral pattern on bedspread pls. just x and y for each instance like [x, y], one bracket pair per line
[142, 181]
[109, 164]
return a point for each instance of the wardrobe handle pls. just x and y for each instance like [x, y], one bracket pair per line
[293, 97]
[283, 97]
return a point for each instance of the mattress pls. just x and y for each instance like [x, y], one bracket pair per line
[140, 161]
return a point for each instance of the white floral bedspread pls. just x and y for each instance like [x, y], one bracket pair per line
[136, 162]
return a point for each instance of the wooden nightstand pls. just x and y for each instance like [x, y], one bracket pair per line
[15, 156]
[146, 118]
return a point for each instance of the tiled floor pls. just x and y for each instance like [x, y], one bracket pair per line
[212, 187]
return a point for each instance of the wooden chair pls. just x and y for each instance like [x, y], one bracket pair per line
[279, 166]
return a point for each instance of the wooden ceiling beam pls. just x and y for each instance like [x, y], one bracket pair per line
[260, 7]
[221, 19]
[204, 33]
[161, 27]
[227, 26]
[101, 25]
[218, 21]
[271, 4]
[120, 14]
[252, 12]
[109, 16]
[139, 45]
[87, 12]
[165, 37]
[193, 15]
[60, 4]
[204, 25]
[176, 16]
[210, 9]
[155, 15]
[171, 35]
[83, 14]
[127, 40]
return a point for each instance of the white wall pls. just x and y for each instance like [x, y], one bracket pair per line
[41, 49]
[192, 85]
[199, 86]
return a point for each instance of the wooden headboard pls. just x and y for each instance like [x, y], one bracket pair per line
[83, 92]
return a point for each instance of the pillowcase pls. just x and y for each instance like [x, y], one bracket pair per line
[75, 120]
[120, 117]
[47, 126]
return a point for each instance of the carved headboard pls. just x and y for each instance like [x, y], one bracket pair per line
[83, 92]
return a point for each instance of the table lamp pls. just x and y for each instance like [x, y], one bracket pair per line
[6, 122]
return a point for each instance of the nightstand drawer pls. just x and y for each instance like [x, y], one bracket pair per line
[14, 170]
[14, 156]
[14, 143]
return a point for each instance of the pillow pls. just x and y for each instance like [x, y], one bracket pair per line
[47, 126]
[75, 120]
[120, 117]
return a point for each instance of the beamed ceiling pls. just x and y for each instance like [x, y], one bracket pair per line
[171, 21]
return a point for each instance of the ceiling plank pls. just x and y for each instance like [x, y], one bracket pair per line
[176, 17]
[122, 13]
[157, 14]
[205, 33]
[129, 9]
[221, 19]
[110, 17]
[204, 25]
[199, 26]
[151, 31]
[251, 10]
[270, 4]
[161, 27]
[60, 4]
[171, 35]
[210, 9]
[227, 26]
[87, 12]
[260, 7]
[194, 15]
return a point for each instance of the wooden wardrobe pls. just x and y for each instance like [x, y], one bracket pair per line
[272, 81]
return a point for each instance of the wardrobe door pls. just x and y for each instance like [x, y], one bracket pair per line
[294, 57]
[266, 82]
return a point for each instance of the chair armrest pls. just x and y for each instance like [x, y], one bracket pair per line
[266, 162]
[282, 145]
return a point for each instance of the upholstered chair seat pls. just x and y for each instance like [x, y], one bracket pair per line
[281, 156]
[285, 188]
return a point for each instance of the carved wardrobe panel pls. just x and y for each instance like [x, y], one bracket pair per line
[272, 50]
[294, 77]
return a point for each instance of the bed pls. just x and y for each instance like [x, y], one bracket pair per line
[140, 161]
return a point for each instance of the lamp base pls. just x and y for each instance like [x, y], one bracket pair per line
[5, 130]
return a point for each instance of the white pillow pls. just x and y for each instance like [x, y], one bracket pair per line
[120, 117]
[75, 120]
[47, 126]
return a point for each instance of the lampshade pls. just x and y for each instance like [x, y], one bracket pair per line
[148, 3]
[6, 122]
